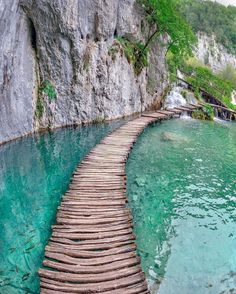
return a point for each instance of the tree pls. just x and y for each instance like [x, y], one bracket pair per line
[213, 19]
[164, 18]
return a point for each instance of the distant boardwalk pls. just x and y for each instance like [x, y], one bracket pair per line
[92, 248]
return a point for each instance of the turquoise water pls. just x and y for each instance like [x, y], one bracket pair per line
[34, 173]
[182, 190]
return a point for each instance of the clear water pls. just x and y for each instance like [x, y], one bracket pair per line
[182, 190]
[34, 173]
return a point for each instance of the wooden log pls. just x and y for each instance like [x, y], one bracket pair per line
[89, 261]
[92, 254]
[90, 209]
[182, 108]
[89, 278]
[136, 289]
[93, 206]
[92, 247]
[86, 269]
[176, 111]
[155, 115]
[109, 240]
[92, 236]
[92, 202]
[92, 229]
[81, 221]
[118, 283]
[64, 212]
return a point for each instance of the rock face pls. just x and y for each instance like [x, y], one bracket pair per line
[17, 72]
[213, 54]
[68, 43]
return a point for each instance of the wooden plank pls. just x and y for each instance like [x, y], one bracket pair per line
[89, 262]
[86, 269]
[118, 283]
[91, 254]
[89, 247]
[88, 278]
[93, 229]
[109, 240]
[91, 236]
[176, 111]
[166, 112]
[183, 108]
[155, 115]
[92, 248]
[81, 221]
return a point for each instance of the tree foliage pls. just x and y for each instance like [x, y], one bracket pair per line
[164, 17]
[212, 18]
[229, 73]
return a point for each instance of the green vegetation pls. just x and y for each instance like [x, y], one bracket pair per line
[206, 113]
[39, 108]
[48, 89]
[202, 77]
[229, 73]
[212, 18]
[135, 52]
[164, 17]
[113, 51]
[184, 93]
[99, 120]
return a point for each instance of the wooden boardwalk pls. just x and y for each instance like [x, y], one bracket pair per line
[92, 248]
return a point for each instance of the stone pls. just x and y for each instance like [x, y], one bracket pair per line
[169, 136]
[213, 54]
[67, 42]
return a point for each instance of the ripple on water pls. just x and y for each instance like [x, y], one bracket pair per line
[182, 189]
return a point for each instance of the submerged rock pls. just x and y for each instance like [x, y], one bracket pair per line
[169, 136]
[140, 182]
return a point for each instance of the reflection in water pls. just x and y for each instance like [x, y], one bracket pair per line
[34, 173]
[182, 189]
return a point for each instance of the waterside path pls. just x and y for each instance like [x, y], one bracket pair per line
[92, 248]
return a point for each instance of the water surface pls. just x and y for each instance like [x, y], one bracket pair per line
[34, 173]
[182, 190]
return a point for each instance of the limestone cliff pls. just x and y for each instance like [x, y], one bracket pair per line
[213, 54]
[67, 42]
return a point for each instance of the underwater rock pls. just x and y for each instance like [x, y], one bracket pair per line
[140, 182]
[169, 136]
[155, 285]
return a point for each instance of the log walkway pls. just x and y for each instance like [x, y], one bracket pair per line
[92, 248]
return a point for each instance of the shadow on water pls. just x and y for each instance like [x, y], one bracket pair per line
[34, 173]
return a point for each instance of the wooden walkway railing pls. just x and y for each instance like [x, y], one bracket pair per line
[92, 248]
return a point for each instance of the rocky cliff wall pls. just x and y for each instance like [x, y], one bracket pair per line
[68, 43]
[213, 54]
[17, 72]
